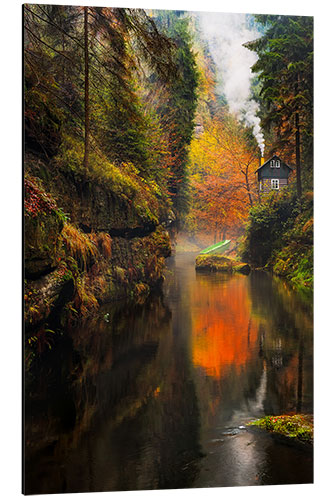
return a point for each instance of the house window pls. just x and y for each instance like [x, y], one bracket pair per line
[277, 164]
[272, 163]
[275, 183]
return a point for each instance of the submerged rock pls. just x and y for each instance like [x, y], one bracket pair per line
[221, 263]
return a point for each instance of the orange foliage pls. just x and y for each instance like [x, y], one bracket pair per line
[222, 177]
[80, 245]
[103, 242]
[224, 333]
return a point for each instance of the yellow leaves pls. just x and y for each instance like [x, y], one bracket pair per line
[222, 167]
[141, 289]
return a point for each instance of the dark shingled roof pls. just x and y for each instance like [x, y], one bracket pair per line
[274, 157]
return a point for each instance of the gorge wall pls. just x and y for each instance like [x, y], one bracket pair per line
[88, 242]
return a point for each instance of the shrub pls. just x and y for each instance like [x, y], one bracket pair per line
[279, 235]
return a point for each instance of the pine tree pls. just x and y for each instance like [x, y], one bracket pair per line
[179, 111]
[285, 70]
[81, 74]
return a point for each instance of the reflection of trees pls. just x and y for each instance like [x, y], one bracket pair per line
[135, 420]
[224, 334]
[247, 334]
[285, 342]
[300, 375]
[120, 404]
[224, 346]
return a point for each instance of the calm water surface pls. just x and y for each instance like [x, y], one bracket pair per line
[157, 395]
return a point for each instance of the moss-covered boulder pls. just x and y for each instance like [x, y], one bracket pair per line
[65, 266]
[299, 427]
[136, 265]
[47, 294]
[221, 264]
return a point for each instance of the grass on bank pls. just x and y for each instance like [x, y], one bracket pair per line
[293, 426]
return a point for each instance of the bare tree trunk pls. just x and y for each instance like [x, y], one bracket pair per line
[86, 91]
[298, 158]
[298, 150]
[63, 62]
[215, 233]
[248, 187]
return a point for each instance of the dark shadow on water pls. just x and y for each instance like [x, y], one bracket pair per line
[113, 407]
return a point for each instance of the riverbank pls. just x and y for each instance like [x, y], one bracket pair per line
[296, 427]
[279, 237]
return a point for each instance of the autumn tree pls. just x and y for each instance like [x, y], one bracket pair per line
[223, 162]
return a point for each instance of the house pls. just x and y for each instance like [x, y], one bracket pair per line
[273, 174]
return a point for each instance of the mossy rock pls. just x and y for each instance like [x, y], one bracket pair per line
[47, 294]
[42, 243]
[299, 427]
[138, 244]
[101, 203]
[220, 263]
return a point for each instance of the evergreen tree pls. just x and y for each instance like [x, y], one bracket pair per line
[179, 111]
[81, 77]
[285, 69]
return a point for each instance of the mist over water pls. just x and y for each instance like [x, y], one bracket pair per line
[225, 34]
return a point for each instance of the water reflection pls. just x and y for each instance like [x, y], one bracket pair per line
[286, 321]
[135, 423]
[251, 347]
[224, 334]
[156, 395]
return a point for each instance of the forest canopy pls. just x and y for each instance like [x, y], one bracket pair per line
[107, 83]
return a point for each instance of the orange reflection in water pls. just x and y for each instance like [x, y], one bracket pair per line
[224, 334]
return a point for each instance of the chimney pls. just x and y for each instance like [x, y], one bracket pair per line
[262, 160]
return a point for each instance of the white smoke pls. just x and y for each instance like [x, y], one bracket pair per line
[226, 34]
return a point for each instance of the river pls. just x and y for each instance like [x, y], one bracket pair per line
[157, 395]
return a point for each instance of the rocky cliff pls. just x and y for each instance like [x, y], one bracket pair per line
[89, 239]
